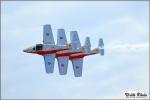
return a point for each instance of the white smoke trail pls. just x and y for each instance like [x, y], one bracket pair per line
[128, 47]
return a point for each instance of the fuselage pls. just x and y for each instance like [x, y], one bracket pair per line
[60, 51]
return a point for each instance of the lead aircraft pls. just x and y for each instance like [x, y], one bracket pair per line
[64, 51]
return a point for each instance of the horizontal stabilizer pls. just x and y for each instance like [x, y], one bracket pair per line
[87, 45]
[101, 46]
[61, 37]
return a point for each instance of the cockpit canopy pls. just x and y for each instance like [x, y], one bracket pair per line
[39, 47]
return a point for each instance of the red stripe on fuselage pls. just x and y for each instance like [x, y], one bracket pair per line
[78, 56]
[68, 53]
[72, 55]
[65, 54]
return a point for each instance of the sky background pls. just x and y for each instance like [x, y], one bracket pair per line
[123, 25]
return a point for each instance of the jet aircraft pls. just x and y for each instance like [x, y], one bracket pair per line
[64, 51]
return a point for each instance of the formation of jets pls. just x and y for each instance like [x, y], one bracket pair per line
[64, 51]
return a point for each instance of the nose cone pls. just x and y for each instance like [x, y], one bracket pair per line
[25, 50]
[28, 50]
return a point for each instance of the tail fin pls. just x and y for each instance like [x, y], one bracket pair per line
[61, 37]
[101, 46]
[75, 40]
[87, 45]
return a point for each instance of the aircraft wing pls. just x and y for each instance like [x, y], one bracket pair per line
[74, 38]
[61, 37]
[63, 64]
[48, 35]
[49, 62]
[77, 67]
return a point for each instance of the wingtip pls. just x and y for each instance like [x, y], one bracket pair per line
[78, 75]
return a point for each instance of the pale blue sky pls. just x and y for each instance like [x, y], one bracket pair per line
[123, 26]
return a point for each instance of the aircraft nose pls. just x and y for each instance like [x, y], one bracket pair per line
[24, 50]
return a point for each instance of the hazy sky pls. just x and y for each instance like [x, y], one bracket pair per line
[123, 25]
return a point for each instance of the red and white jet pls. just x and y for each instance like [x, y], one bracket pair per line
[64, 51]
